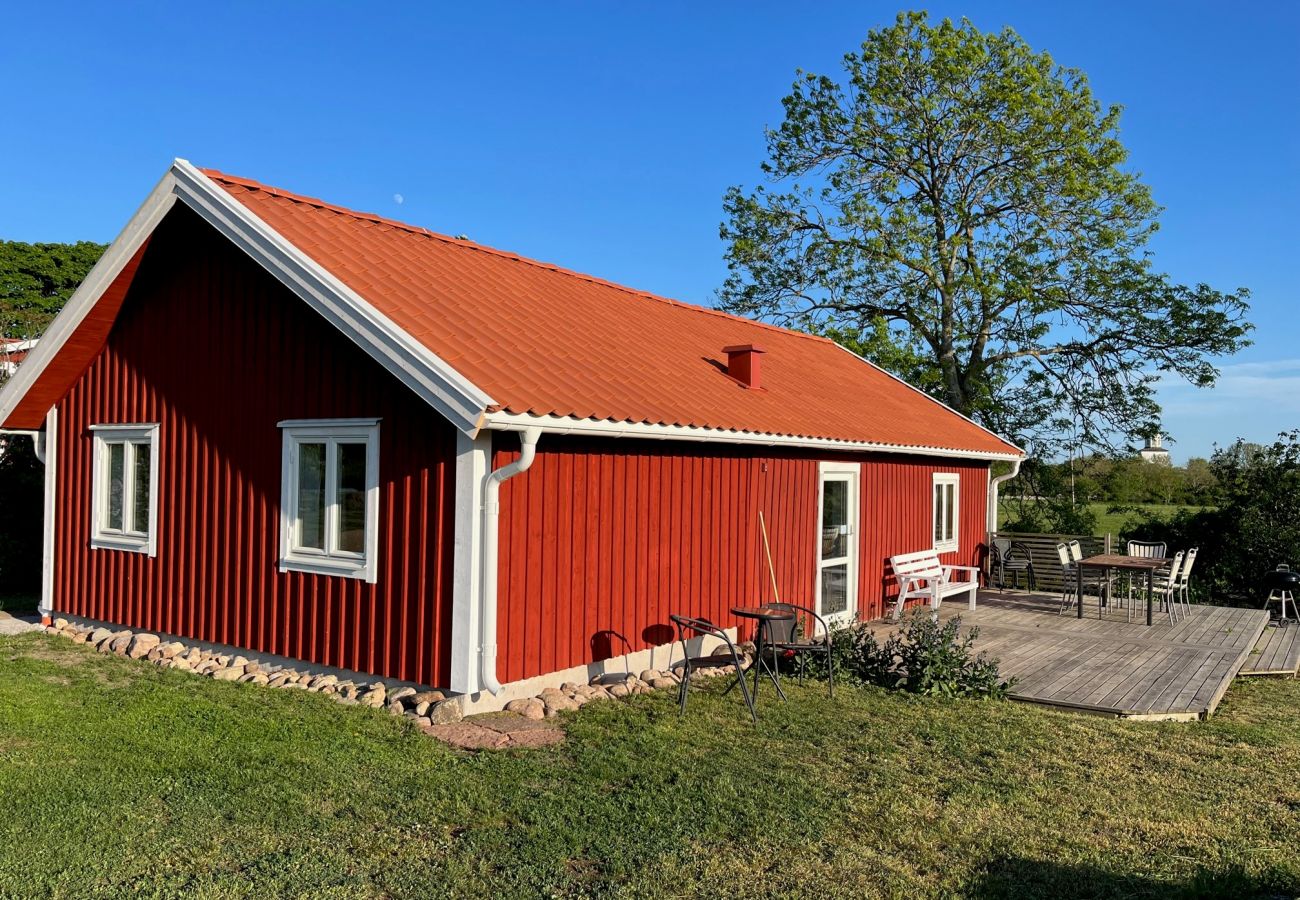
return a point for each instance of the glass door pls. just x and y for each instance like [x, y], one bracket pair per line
[837, 548]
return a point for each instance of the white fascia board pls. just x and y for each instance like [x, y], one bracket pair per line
[432, 378]
[906, 384]
[83, 300]
[561, 425]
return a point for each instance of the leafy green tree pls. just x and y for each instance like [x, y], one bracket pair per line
[1252, 529]
[958, 206]
[37, 279]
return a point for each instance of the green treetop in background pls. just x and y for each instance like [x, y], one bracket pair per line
[37, 279]
[957, 210]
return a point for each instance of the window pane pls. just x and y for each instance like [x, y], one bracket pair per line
[140, 498]
[949, 511]
[835, 589]
[311, 496]
[116, 475]
[352, 497]
[938, 513]
[834, 517]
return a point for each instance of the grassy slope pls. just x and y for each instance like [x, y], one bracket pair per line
[117, 778]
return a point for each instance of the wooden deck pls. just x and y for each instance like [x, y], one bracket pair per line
[1108, 665]
[1276, 653]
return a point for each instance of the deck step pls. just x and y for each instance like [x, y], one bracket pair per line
[1276, 653]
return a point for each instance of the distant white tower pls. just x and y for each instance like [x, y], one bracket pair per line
[1153, 452]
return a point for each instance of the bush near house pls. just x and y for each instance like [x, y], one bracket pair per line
[922, 657]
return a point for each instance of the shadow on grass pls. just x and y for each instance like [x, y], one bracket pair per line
[1019, 877]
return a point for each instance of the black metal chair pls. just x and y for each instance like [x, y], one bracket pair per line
[688, 664]
[1014, 557]
[806, 633]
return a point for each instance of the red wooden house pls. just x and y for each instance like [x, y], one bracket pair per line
[272, 423]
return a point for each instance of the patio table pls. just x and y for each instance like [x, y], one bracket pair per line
[1149, 565]
[764, 616]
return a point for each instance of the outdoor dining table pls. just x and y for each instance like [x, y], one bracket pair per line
[1148, 564]
[764, 616]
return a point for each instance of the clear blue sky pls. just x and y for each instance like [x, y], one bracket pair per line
[602, 136]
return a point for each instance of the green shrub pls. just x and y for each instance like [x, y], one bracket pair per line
[922, 657]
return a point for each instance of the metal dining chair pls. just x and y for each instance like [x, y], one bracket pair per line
[1165, 584]
[688, 664]
[1014, 557]
[1142, 550]
[1070, 581]
[805, 633]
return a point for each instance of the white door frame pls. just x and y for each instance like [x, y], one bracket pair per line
[851, 473]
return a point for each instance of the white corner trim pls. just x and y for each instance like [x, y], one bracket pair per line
[562, 425]
[83, 300]
[432, 378]
[331, 560]
[50, 457]
[102, 538]
[472, 458]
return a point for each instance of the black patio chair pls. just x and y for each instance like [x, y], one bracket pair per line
[688, 664]
[795, 638]
[1014, 557]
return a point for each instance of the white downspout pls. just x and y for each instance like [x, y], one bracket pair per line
[993, 494]
[491, 544]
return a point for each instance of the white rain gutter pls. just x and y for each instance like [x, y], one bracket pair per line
[491, 545]
[993, 493]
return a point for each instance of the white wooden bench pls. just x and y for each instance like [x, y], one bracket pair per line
[921, 575]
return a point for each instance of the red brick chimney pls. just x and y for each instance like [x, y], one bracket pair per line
[743, 364]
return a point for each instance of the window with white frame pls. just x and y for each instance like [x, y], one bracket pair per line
[124, 513]
[946, 492]
[329, 502]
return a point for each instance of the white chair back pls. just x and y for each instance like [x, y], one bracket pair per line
[1175, 568]
[1063, 551]
[1187, 565]
[1148, 549]
[1076, 550]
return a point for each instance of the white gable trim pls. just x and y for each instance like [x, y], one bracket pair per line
[441, 386]
[503, 421]
[83, 300]
[430, 377]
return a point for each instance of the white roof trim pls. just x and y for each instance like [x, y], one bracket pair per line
[83, 300]
[432, 378]
[503, 421]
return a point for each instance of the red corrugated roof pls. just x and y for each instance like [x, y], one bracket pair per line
[543, 340]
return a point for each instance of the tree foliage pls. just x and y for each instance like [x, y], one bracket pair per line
[958, 206]
[1253, 528]
[37, 279]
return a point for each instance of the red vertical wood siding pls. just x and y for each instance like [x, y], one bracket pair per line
[216, 351]
[601, 540]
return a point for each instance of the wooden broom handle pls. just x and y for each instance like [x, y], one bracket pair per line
[776, 592]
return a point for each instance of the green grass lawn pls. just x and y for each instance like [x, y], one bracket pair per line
[118, 779]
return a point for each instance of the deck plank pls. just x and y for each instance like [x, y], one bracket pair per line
[1106, 664]
[1277, 653]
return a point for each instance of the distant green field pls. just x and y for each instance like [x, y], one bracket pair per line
[1113, 523]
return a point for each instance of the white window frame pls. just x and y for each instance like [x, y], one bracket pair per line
[953, 541]
[125, 538]
[331, 560]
